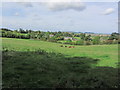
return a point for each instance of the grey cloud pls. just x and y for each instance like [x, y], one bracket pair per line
[25, 4]
[108, 11]
[60, 5]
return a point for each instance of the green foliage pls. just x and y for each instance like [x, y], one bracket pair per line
[82, 35]
[108, 42]
[40, 69]
[53, 39]
[88, 43]
[59, 36]
[80, 42]
[96, 40]
[114, 36]
[88, 38]
[69, 41]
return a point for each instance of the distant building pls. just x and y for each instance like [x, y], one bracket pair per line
[51, 35]
[74, 39]
[66, 38]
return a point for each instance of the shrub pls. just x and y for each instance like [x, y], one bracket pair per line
[96, 40]
[115, 42]
[108, 42]
[88, 43]
[38, 69]
[80, 42]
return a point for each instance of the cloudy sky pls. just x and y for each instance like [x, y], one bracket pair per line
[98, 17]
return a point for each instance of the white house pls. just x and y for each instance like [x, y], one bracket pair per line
[51, 35]
[66, 38]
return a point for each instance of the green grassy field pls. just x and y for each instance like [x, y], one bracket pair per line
[108, 54]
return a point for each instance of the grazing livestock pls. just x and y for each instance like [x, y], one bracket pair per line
[61, 46]
[67, 46]
[71, 47]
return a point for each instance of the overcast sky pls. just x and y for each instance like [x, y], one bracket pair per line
[98, 17]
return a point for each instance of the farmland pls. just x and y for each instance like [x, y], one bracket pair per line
[108, 54]
[40, 64]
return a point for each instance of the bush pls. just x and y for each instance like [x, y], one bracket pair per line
[115, 42]
[88, 43]
[40, 69]
[80, 42]
[69, 41]
[108, 42]
[96, 40]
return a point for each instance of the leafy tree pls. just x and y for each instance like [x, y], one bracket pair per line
[82, 35]
[69, 41]
[109, 42]
[88, 38]
[87, 42]
[80, 42]
[52, 39]
[21, 30]
[96, 40]
[114, 36]
[5, 29]
[84, 39]
[76, 35]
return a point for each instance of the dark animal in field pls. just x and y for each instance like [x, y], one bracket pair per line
[61, 46]
[67, 46]
[71, 47]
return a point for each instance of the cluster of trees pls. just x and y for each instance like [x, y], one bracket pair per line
[95, 40]
[82, 38]
[29, 34]
[14, 34]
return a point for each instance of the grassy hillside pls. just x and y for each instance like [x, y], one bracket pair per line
[108, 54]
[39, 69]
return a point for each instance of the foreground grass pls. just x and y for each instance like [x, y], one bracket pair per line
[39, 69]
[108, 54]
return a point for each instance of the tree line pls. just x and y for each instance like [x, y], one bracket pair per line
[59, 37]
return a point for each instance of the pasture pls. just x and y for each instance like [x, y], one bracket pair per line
[108, 54]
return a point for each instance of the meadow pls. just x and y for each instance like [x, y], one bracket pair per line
[39, 64]
[108, 54]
